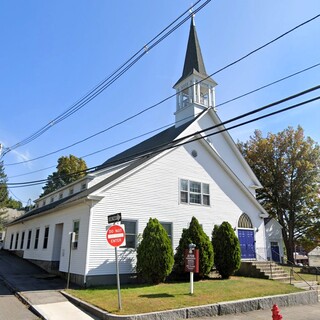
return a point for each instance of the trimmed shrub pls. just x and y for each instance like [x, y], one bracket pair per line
[227, 254]
[194, 234]
[154, 253]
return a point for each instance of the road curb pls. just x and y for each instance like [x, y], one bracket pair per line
[218, 309]
[22, 298]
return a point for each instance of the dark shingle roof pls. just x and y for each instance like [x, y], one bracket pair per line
[193, 63]
[47, 207]
[156, 143]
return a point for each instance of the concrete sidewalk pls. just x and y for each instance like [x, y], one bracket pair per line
[38, 289]
[42, 292]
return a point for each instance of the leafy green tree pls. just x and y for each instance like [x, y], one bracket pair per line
[3, 195]
[227, 255]
[194, 234]
[69, 169]
[287, 164]
[14, 204]
[154, 253]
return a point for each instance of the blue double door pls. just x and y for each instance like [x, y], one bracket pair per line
[247, 244]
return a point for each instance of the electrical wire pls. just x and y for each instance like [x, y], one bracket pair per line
[180, 142]
[139, 113]
[112, 78]
[229, 65]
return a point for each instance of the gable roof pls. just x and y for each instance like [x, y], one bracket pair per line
[137, 154]
[156, 143]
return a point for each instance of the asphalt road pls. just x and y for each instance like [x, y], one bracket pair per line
[11, 308]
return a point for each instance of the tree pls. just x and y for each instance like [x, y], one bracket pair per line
[287, 164]
[3, 195]
[194, 234]
[227, 254]
[69, 169]
[14, 204]
[155, 253]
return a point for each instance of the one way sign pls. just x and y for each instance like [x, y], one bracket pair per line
[113, 218]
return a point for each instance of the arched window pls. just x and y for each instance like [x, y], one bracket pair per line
[245, 222]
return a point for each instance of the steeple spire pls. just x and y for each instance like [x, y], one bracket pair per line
[195, 89]
[193, 61]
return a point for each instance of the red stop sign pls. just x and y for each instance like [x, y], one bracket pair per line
[116, 235]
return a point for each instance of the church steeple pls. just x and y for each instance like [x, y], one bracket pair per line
[195, 89]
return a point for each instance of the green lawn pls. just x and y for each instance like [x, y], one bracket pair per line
[144, 298]
[297, 275]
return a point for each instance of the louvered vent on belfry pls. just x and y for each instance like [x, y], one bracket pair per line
[245, 221]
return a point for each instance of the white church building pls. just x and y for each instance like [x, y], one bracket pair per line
[190, 169]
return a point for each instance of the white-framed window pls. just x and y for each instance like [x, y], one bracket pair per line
[60, 195]
[46, 237]
[51, 199]
[70, 191]
[194, 192]
[83, 186]
[168, 227]
[17, 240]
[76, 226]
[29, 239]
[22, 240]
[36, 238]
[11, 241]
[131, 233]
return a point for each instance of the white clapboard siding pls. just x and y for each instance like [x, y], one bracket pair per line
[153, 191]
[66, 216]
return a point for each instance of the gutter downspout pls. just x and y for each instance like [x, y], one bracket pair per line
[90, 205]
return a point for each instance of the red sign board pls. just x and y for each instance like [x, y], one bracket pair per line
[191, 260]
[116, 235]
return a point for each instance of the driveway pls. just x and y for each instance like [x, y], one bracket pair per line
[11, 308]
[37, 288]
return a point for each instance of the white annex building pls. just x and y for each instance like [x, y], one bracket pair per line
[190, 169]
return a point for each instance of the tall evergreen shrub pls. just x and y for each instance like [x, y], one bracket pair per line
[194, 234]
[155, 253]
[227, 254]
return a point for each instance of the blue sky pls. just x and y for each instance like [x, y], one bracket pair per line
[54, 52]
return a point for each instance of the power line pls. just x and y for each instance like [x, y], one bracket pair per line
[169, 32]
[180, 142]
[113, 77]
[139, 113]
[174, 145]
[268, 85]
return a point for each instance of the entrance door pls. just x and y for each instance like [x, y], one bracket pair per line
[57, 245]
[246, 239]
[275, 252]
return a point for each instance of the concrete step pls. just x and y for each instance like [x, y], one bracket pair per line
[272, 271]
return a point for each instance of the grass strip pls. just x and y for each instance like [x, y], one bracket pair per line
[149, 298]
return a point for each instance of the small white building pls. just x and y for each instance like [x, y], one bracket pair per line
[193, 168]
[274, 240]
[314, 257]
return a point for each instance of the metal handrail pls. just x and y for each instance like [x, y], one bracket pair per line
[294, 272]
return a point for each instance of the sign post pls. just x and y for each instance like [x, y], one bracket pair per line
[116, 237]
[191, 262]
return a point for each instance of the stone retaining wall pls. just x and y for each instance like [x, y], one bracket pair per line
[218, 309]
